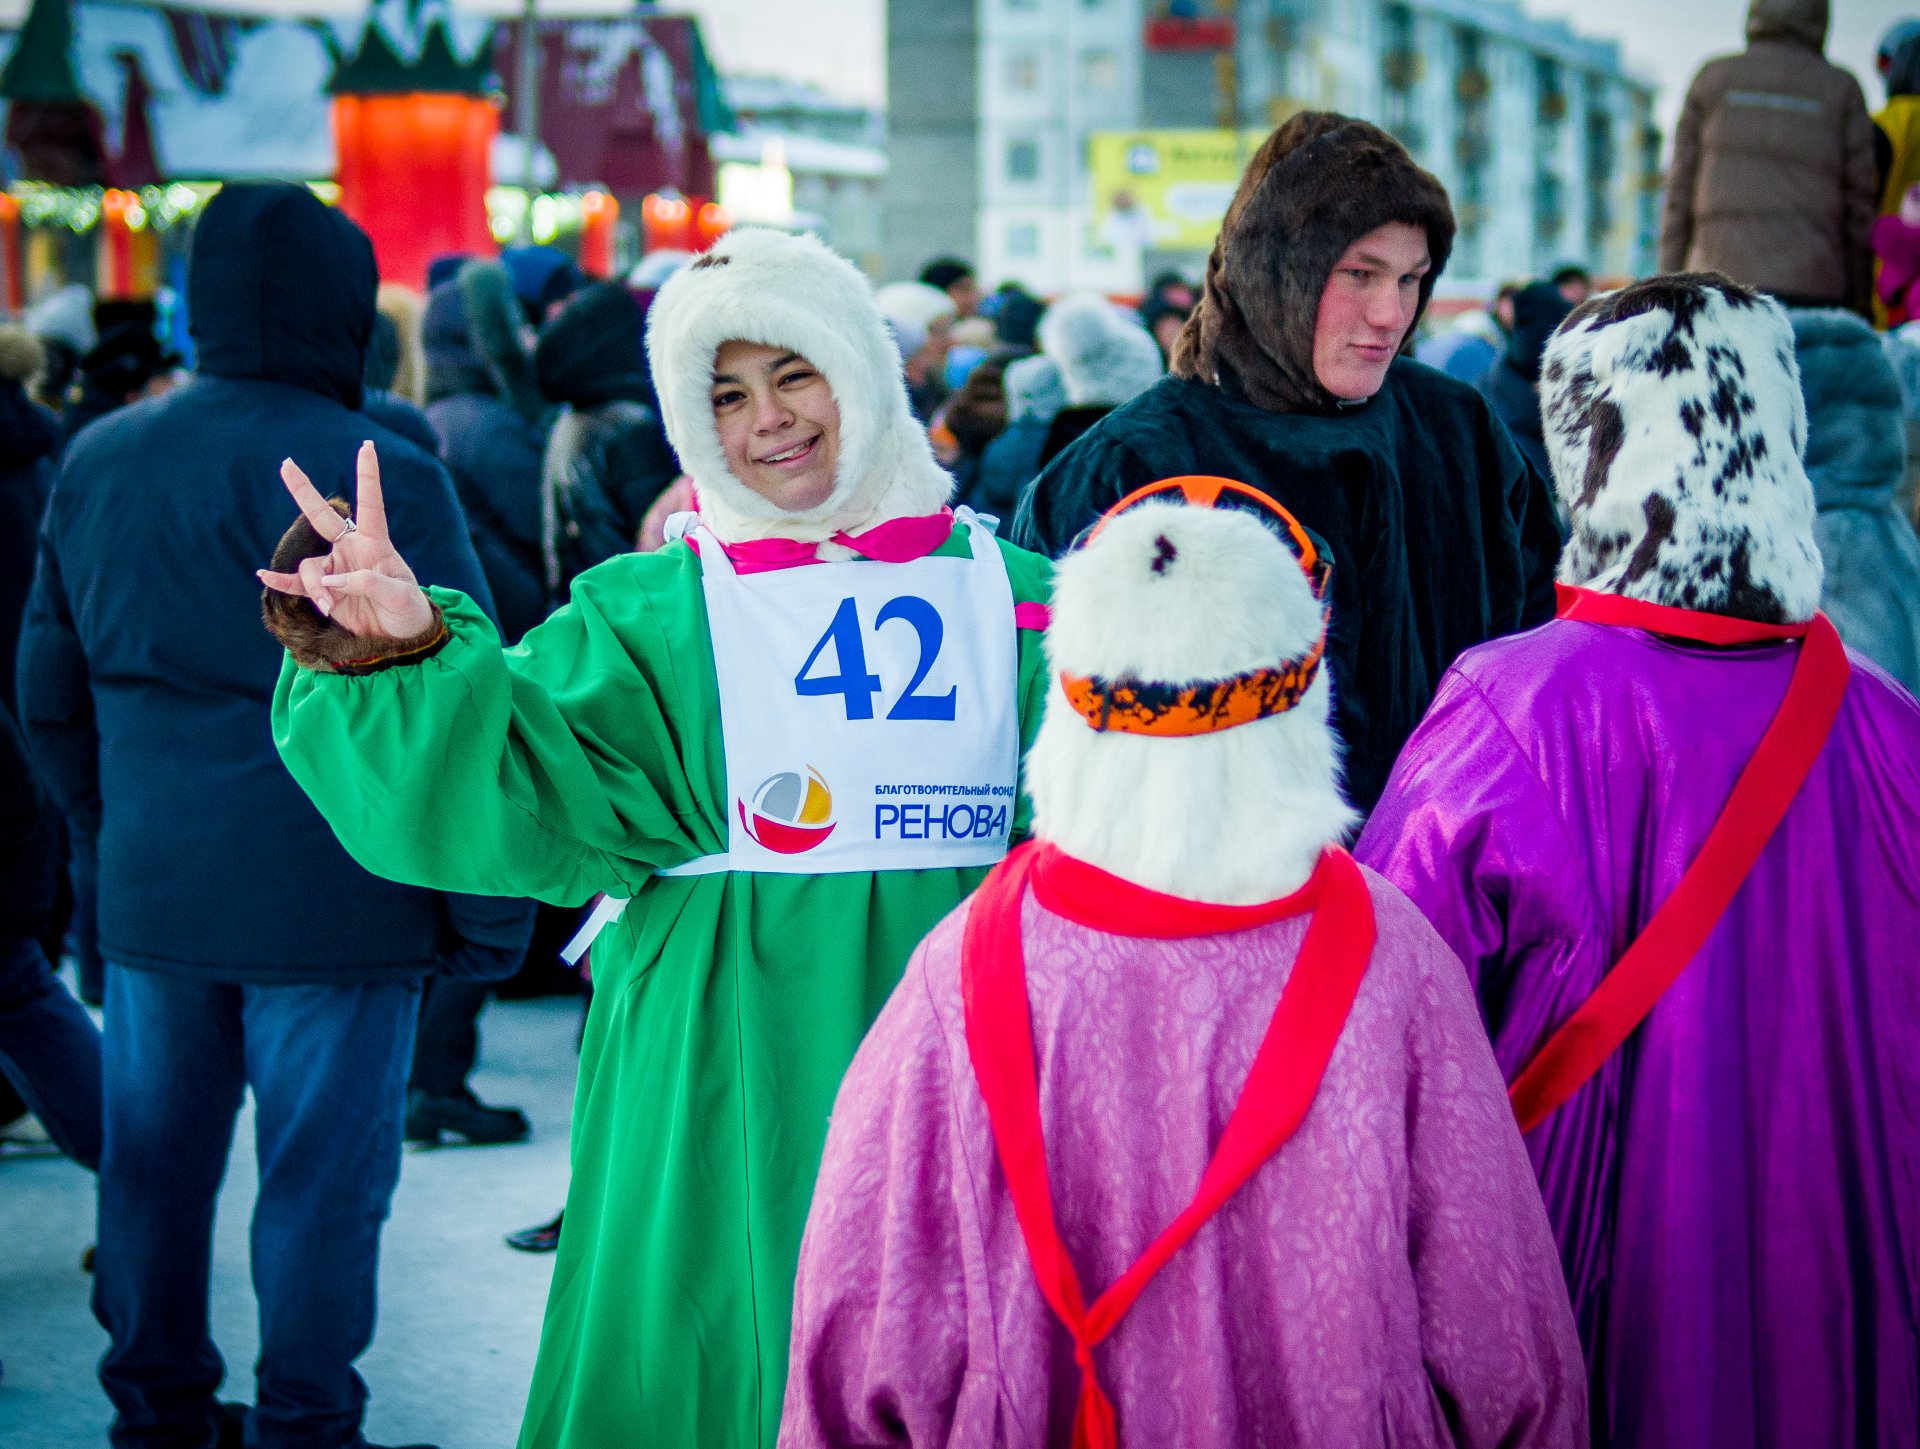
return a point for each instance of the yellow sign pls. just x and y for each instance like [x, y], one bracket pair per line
[1166, 190]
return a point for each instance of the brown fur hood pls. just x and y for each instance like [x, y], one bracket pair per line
[1315, 186]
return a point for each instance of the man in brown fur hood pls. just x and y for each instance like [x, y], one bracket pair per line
[1290, 376]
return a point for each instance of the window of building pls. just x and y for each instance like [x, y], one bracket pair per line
[1023, 241]
[1023, 72]
[1099, 71]
[1023, 160]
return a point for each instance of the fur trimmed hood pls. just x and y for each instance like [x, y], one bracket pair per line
[1034, 390]
[1316, 186]
[65, 316]
[1105, 357]
[1856, 434]
[1675, 426]
[787, 291]
[911, 310]
[1175, 594]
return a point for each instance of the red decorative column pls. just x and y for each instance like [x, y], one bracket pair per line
[15, 259]
[413, 170]
[598, 213]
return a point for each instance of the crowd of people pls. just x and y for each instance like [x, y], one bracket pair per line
[1240, 866]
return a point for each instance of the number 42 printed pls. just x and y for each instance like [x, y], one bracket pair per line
[855, 685]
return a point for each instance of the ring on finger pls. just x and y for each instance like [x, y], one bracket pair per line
[347, 525]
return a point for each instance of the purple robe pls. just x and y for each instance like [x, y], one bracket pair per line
[1737, 1192]
[1387, 1277]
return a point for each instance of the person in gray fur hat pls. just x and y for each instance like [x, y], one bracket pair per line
[1106, 358]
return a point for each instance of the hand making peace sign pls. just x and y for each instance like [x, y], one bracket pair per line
[363, 585]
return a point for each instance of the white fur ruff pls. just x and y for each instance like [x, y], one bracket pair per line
[1675, 436]
[1176, 594]
[787, 291]
[1103, 356]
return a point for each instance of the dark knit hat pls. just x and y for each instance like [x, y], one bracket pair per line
[590, 352]
[1537, 310]
[943, 272]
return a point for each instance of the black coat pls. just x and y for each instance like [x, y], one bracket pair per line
[30, 846]
[605, 467]
[29, 443]
[607, 456]
[146, 672]
[494, 455]
[491, 447]
[1442, 536]
[397, 415]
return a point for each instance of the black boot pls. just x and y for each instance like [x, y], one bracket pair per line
[463, 1115]
[543, 1239]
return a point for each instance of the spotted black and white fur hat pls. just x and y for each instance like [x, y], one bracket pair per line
[1675, 425]
[757, 285]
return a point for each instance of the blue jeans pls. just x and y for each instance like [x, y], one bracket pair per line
[50, 1051]
[328, 1068]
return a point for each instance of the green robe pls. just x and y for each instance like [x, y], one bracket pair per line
[726, 1006]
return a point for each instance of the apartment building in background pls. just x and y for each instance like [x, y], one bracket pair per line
[1007, 119]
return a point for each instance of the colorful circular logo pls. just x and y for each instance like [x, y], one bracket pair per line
[790, 813]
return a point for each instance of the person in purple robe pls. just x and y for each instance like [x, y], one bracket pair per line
[1673, 835]
[1184, 1130]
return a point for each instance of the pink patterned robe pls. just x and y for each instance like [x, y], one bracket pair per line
[1386, 1278]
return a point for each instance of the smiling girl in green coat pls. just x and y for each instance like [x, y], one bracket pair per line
[792, 737]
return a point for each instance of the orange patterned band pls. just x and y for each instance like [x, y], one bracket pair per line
[1136, 708]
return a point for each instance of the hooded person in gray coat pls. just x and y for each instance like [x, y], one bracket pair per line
[1856, 457]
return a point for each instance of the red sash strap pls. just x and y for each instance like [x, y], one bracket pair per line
[1766, 787]
[1279, 1088]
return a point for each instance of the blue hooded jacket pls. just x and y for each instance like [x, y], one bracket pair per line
[146, 673]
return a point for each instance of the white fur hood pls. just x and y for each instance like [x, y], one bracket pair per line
[1103, 357]
[1675, 425]
[787, 291]
[1176, 595]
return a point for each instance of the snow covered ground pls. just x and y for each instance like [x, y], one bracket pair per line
[459, 1310]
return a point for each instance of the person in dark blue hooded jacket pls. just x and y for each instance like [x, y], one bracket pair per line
[1511, 385]
[245, 948]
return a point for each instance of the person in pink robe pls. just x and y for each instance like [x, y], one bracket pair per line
[1736, 1187]
[1197, 993]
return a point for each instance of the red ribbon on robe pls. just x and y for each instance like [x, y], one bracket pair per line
[1279, 1089]
[1766, 788]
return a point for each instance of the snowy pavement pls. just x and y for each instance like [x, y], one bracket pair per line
[459, 1310]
